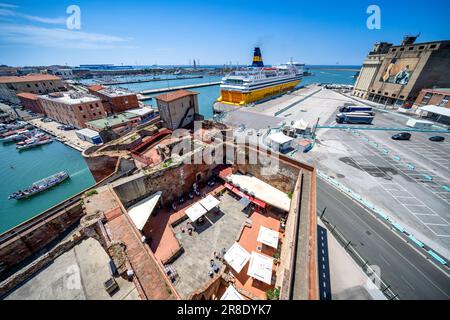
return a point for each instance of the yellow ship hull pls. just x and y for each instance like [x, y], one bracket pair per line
[242, 98]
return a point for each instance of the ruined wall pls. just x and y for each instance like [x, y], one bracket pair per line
[283, 177]
[172, 181]
[16, 249]
[101, 166]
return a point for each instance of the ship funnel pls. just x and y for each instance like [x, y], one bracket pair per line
[257, 58]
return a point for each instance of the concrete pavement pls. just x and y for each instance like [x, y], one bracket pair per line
[408, 272]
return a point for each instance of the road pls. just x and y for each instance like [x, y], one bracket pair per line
[408, 272]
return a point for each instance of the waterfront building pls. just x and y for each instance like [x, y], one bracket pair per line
[396, 74]
[32, 83]
[115, 126]
[370, 68]
[177, 109]
[115, 100]
[72, 108]
[63, 73]
[30, 101]
[437, 96]
[145, 114]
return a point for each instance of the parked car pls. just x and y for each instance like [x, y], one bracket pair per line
[402, 136]
[437, 139]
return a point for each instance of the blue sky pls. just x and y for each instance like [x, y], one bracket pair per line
[213, 31]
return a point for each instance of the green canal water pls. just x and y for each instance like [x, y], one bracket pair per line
[20, 169]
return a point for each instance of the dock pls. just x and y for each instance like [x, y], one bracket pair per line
[190, 86]
[113, 83]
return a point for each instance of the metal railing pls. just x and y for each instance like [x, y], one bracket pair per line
[361, 261]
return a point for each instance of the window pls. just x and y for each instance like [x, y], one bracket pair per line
[28, 85]
[36, 85]
[433, 46]
[84, 116]
[51, 83]
[411, 48]
[91, 106]
[393, 50]
[444, 101]
[80, 107]
[426, 98]
[402, 49]
[94, 114]
[421, 47]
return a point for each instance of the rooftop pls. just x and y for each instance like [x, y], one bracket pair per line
[175, 95]
[70, 97]
[111, 121]
[112, 92]
[28, 78]
[27, 95]
[438, 90]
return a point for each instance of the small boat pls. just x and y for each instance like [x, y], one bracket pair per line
[40, 186]
[34, 142]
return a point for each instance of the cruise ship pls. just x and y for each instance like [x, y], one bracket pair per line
[256, 83]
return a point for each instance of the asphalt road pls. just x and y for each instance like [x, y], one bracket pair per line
[408, 272]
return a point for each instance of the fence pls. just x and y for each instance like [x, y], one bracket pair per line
[361, 261]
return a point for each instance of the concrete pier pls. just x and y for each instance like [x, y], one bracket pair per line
[190, 86]
[147, 80]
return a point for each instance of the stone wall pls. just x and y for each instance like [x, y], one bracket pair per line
[101, 166]
[27, 243]
[173, 181]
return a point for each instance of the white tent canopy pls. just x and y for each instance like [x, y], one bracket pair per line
[260, 268]
[280, 138]
[262, 190]
[237, 257]
[195, 212]
[209, 202]
[231, 294]
[268, 237]
[141, 211]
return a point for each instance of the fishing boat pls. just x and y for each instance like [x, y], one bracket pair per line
[40, 186]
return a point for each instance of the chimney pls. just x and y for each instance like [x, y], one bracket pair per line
[257, 58]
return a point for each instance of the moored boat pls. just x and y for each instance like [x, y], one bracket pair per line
[40, 186]
[34, 142]
[256, 83]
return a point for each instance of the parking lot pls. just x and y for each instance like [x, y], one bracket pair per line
[409, 180]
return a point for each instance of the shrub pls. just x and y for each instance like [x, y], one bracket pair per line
[273, 294]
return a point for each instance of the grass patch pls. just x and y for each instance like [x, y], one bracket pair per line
[90, 193]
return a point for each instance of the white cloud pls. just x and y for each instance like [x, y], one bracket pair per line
[8, 5]
[59, 38]
[11, 13]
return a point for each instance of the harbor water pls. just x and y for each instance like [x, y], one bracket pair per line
[19, 170]
[208, 95]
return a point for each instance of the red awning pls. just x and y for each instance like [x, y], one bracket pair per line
[243, 195]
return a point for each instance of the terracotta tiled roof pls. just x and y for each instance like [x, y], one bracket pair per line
[27, 95]
[96, 87]
[175, 95]
[28, 78]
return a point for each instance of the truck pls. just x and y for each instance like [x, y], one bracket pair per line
[356, 109]
[354, 117]
[419, 124]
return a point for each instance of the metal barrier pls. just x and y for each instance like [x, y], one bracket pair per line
[361, 261]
